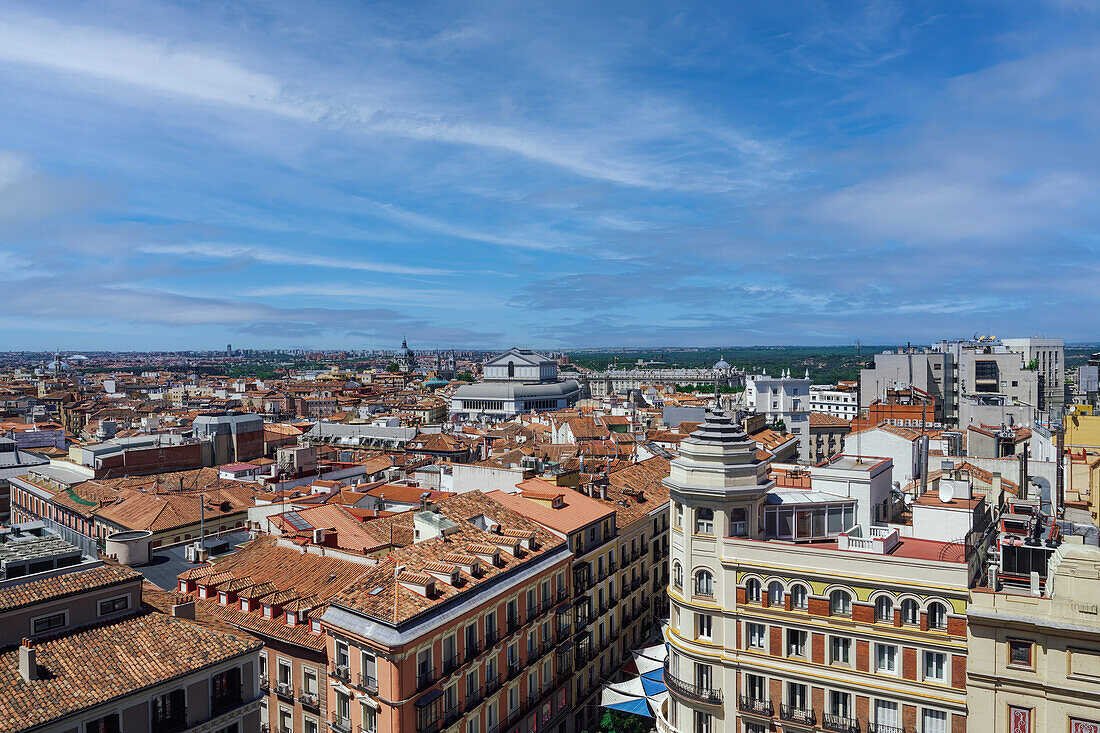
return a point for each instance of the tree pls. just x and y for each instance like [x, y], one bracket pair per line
[464, 377]
[392, 367]
[614, 721]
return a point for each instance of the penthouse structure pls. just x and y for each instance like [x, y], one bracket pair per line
[464, 626]
[805, 607]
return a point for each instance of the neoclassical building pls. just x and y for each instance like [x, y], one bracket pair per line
[519, 380]
[797, 608]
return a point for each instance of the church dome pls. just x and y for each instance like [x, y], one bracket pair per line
[722, 364]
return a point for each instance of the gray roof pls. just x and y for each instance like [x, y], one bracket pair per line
[520, 356]
[352, 433]
[513, 390]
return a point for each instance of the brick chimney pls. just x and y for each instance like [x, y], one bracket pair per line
[28, 661]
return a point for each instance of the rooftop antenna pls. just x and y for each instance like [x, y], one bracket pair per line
[859, 398]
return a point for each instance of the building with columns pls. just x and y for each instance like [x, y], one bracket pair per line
[806, 606]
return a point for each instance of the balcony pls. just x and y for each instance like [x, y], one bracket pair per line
[473, 699]
[492, 684]
[511, 625]
[285, 690]
[747, 704]
[339, 725]
[226, 701]
[514, 668]
[428, 726]
[563, 593]
[170, 724]
[366, 682]
[265, 684]
[802, 716]
[340, 672]
[706, 695]
[491, 638]
[472, 650]
[309, 699]
[839, 723]
[424, 679]
[882, 728]
[451, 714]
[450, 664]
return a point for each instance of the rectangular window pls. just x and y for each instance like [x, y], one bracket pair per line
[756, 687]
[703, 625]
[797, 697]
[702, 722]
[114, 605]
[886, 713]
[106, 724]
[935, 667]
[840, 650]
[755, 633]
[49, 623]
[796, 643]
[1019, 653]
[886, 658]
[933, 721]
[840, 704]
[704, 675]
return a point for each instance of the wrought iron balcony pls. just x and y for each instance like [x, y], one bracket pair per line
[339, 725]
[492, 684]
[707, 695]
[472, 649]
[450, 664]
[473, 698]
[839, 723]
[803, 716]
[366, 682]
[747, 704]
[563, 593]
[424, 679]
[882, 728]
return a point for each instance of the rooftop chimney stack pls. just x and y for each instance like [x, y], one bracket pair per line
[184, 608]
[28, 661]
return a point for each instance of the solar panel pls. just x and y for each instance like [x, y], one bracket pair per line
[297, 521]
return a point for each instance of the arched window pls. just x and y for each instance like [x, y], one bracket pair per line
[752, 591]
[511, 369]
[704, 583]
[937, 616]
[910, 612]
[677, 575]
[704, 521]
[884, 609]
[799, 597]
[840, 603]
[775, 593]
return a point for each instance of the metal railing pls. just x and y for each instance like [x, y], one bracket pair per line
[312, 699]
[839, 723]
[708, 695]
[883, 728]
[492, 684]
[340, 671]
[472, 649]
[748, 704]
[265, 683]
[366, 682]
[425, 679]
[473, 698]
[339, 725]
[450, 663]
[803, 716]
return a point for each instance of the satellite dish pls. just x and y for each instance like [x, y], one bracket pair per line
[947, 492]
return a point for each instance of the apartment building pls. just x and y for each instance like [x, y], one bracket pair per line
[619, 538]
[82, 654]
[839, 400]
[1034, 647]
[276, 591]
[464, 627]
[783, 399]
[799, 608]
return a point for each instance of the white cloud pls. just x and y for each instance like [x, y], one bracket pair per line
[270, 256]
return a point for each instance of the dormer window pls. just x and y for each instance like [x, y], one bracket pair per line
[315, 626]
[267, 610]
[291, 618]
[246, 605]
[223, 598]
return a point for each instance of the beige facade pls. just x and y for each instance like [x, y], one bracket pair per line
[1034, 662]
[841, 628]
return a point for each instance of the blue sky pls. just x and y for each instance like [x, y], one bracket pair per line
[184, 175]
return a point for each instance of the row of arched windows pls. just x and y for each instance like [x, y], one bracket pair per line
[840, 603]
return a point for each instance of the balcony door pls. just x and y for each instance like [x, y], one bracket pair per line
[886, 713]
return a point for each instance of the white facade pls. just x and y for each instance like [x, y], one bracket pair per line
[517, 381]
[832, 401]
[783, 398]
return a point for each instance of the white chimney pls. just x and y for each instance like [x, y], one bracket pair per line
[28, 661]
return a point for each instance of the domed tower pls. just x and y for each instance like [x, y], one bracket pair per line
[406, 359]
[717, 489]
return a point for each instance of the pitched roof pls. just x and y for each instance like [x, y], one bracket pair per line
[60, 586]
[576, 510]
[96, 665]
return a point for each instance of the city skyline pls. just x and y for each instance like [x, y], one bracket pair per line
[277, 175]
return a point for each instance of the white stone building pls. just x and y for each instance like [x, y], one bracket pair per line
[517, 381]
